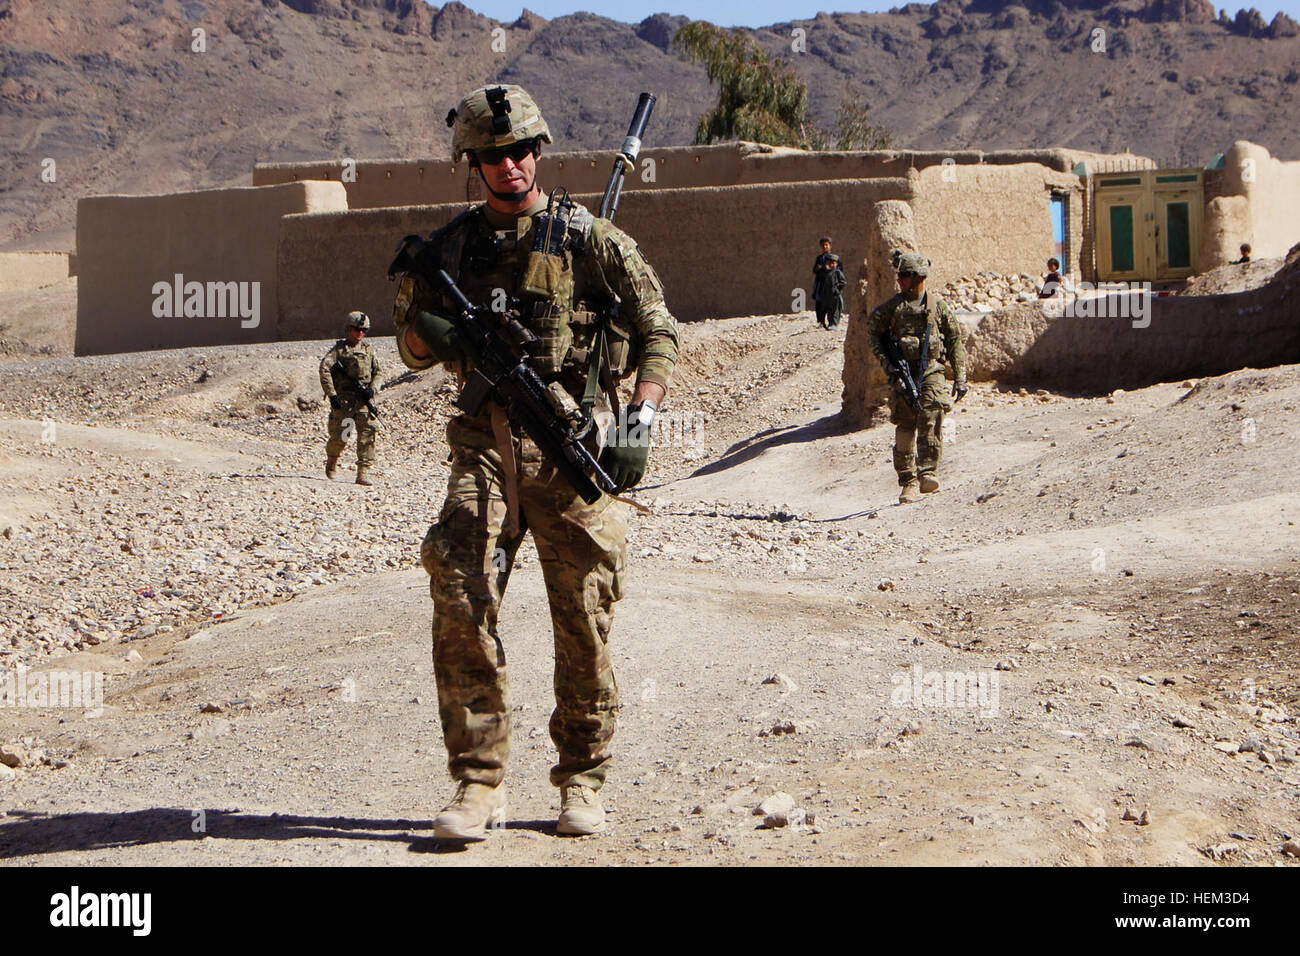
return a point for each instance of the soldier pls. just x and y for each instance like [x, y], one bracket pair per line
[910, 325]
[350, 376]
[500, 486]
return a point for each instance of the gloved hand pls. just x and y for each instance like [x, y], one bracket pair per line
[335, 403]
[440, 336]
[959, 390]
[625, 459]
[366, 391]
[891, 371]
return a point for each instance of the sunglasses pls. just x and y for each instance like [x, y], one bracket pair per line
[492, 155]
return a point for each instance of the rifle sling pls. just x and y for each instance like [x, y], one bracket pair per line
[509, 469]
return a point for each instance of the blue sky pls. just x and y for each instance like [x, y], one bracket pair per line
[755, 13]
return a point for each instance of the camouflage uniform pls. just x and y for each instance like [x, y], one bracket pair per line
[469, 552]
[918, 439]
[361, 366]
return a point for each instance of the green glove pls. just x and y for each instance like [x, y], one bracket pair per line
[625, 459]
[440, 335]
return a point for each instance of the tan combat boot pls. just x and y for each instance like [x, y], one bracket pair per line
[474, 809]
[911, 492]
[331, 468]
[580, 811]
[363, 475]
[929, 484]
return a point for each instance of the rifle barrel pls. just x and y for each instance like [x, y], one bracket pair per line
[627, 155]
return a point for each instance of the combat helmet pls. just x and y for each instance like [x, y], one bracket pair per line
[358, 320]
[495, 116]
[911, 263]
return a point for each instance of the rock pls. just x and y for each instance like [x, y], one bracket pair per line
[1226, 746]
[912, 729]
[1291, 848]
[784, 727]
[1183, 722]
[1220, 850]
[885, 585]
[784, 818]
[149, 630]
[1145, 819]
[7, 773]
[14, 755]
[779, 802]
[211, 707]
[1147, 679]
[786, 683]
[1129, 814]
[134, 657]
[1267, 757]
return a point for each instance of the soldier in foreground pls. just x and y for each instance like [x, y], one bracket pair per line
[350, 376]
[554, 269]
[913, 334]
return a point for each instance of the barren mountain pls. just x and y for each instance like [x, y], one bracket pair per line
[125, 96]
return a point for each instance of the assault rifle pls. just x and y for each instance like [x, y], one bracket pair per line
[903, 379]
[549, 415]
[365, 390]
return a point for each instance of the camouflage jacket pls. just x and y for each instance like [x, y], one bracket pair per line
[360, 366]
[904, 323]
[491, 264]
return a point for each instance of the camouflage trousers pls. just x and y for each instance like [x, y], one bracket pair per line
[469, 558]
[918, 439]
[340, 431]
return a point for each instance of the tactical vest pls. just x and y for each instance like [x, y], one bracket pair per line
[562, 305]
[907, 325]
[357, 366]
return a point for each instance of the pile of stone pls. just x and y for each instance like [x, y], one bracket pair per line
[986, 291]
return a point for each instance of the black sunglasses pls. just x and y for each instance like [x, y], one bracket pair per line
[492, 155]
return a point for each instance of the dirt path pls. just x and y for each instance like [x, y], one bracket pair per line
[1098, 612]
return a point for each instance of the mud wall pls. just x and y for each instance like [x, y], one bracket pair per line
[405, 182]
[996, 218]
[738, 250]
[1272, 190]
[223, 239]
[1188, 337]
[890, 226]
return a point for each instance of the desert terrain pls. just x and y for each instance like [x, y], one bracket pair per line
[1117, 574]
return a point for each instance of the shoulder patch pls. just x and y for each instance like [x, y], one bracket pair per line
[581, 224]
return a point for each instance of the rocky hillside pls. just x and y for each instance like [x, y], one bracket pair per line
[127, 97]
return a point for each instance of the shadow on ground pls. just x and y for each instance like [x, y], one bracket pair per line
[752, 447]
[24, 834]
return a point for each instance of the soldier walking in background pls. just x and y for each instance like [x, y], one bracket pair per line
[350, 376]
[501, 486]
[913, 334]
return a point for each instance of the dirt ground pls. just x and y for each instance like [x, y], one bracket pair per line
[1096, 613]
